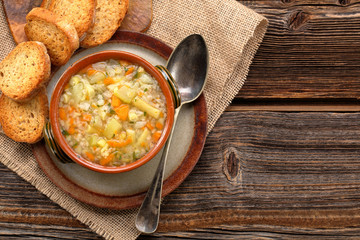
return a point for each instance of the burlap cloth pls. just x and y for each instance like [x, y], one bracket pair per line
[233, 34]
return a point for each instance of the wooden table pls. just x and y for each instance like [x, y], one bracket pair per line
[282, 161]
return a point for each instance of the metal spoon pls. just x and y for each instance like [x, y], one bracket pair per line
[188, 64]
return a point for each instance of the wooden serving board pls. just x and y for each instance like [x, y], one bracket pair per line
[137, 19]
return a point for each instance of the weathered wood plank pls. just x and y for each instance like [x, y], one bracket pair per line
[287, 169]
[262, 174]
[311, 50]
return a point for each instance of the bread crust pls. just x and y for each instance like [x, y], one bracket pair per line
[24, 122]
[59, 36]
[80, 13]
[45, 3]
[108, 18]
[24, 71]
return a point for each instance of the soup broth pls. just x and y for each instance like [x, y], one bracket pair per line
[112, 112]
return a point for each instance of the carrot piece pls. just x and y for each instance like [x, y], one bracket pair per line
[156, 136]
[62, 114]
[159, 125]
[71, 109]
[86, 117]
[115, 101]
[91, 71]
[108, 81]
[106, 160]
[149, 126]
[129, 140]
[122, 111]
[130, 70]
[71, 130]
[118, 144]
[90, 156]
[71, 121]
[161, 114]
[140, 94]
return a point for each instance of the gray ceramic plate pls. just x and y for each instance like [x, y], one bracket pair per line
[126, 190]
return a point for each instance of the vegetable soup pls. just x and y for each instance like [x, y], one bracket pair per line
[112, 112]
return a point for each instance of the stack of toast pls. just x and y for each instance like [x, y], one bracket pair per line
[55, 30]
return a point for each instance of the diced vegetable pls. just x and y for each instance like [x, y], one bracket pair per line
[130, 134]
[87, 117]
[97, 77]
[118, 144]
[144, 106]
[125, 93]
[130, 71]
[62, 114]
[108, 81]
[122, 111]
[77, 92]
[159, 125]
[74, 80]
[156, 136]
[143, 137]
[149, 126]
[112, 128]
[107, 160]
[90, 72]
[115, 101]
[101, 143]
[90, 91]
[133, 116]
[90, 156]
[91, 129]
[93, 140]
[71, 130]
[145, 78]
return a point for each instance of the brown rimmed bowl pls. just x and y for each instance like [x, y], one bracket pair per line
[55, 140]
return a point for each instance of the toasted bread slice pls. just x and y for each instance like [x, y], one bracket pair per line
[108, 18]
[45, 3]
[80, 13]
[24, 71]
[24, 122]
[58, 35]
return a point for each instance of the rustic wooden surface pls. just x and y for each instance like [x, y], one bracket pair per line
[138, 17]
[282, 162]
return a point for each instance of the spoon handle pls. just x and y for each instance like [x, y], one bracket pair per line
[147, 218]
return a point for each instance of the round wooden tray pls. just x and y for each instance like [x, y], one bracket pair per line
[127, 190]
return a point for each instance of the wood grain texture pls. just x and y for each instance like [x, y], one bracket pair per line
[273, 174]
[138, 17]
[311, 50]
[284, 169]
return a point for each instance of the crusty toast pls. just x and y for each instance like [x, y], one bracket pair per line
[24, 122]
[24, 71]
[80, 13]
[108, 18]
[58, 35]
[45, 3]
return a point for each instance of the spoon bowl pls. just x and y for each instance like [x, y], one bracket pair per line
[188, 64]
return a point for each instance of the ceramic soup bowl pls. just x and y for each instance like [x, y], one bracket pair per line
[57, 138]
